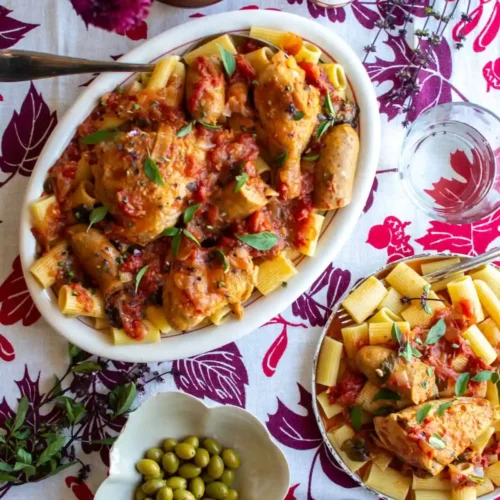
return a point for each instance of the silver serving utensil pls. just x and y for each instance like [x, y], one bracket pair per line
[461, 267]
[23, 65]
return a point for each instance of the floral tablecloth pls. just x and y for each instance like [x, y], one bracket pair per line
[269, 371]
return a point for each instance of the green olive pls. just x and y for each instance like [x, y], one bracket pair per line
[217, 490]
[207, 478]
[201, 458]
[215, 467]
[148, 467]
[165, 493]
[177, 483]
[232, 495]
[155, 454]
[228, 477]
[213, 446]
[185, 451]
[161, 475]
[139, 494]
[231, 458]
[169, 444]
[189, 471]
[183, 495]
[153, 485]
[197, 487]
[192, 440]
[170, 462]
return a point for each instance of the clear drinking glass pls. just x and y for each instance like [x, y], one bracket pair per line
[448, 165]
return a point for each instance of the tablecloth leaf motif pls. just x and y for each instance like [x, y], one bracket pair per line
[489, 31]
[333, 470]
[371, 196]
[79, 488]
[16, 303]
[296, 431]
[391, 235]
[219, 375]
[309, 306]
[491, 74]
[12, 30]
[291, 492]
[26, 135]
[7, 352]
[138, 32]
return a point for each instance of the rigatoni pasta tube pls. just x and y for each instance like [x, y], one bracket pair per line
[311, 234]
[267, 34]
[432, 267]
[354, 337]
[462, 290]
[308, 53]
[491, 276]
[382, 459]
[45, 269]
[464, 493]
[381, 333]
[417, 315]
[82, 195]
[493, 472]
[329, 409]
[329, 362]
[161, 73]
[491, 331]
[392, 301]
[440, 285]
[74, 300]
[121, 338]
[431, 495]
[385, 315]
[40, 208]
[336, 74]
[406, 281]
[364, 300]
[488, 300]
[338, 437]
[273, 273]
[219, 316]
[156, 315]
[390, 482]
[492, 393]
[485, 488]
[259, 59]
[478, 343]
[211, 49]
[479, 444]
[433, 483]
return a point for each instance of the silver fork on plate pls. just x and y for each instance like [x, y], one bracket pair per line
[461, 267]
[24, 65]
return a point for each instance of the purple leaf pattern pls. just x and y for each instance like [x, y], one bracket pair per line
[12, 30]
[433, 80]
[371, 196]
[26, 135]
[294, 430]
[219, 375]
[308, 306]
[333, 470]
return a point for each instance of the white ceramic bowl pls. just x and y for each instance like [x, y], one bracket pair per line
[263, 474]
[258, 309]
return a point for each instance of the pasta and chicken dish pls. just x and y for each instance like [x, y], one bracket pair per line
[192, 186]
[409, 391]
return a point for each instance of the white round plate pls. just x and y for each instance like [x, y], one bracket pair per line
[263, 474]
[259, 309]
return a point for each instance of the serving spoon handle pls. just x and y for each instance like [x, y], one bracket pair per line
[24, 65]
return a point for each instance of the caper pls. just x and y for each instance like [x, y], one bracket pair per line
[215, 467]
[217, 490]
[192, 440]
[165, 493]
[201, 458]
[231, 458]
[139, 494]
[232, 495]
[177, 483]
[228, 477]
[170, 462]
[155, 454]
[213, 446]
[189, 471]
[186, 451]
[169, 444]
[197, 487]
[153, 485]
[148, 467]
[207, 478]
[183, 495]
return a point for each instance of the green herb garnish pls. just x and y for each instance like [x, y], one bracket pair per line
[482, 376]
[422, 412]
[386, 394]
[191, 237]
[189, 213]
[97, 215]
[99, 136]
[139, 276]
[241, 180]
[298, 115]
[223, 259]
[311, 158]
[228, 60]
[436, 441]
[442, 408]
[185, 130]
[356, 417]
[281, 159]
[436, 332]
[323, 127]
[396, 333]
[461, 384]
[152, 172]
[259, 241]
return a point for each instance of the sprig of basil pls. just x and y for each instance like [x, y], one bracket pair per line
[139, 277]
[260, 241]
[99, 136]
[436, 332]
[461, 384]
[228, 60]
[241, 180]
[189, 213]
[97, 215]
[152, 172]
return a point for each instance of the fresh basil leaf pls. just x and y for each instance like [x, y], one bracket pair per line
[482, 376]
[22, 434]
[329, 105]
[228, 60]
[430, 371]
[427, 288]
[139, 277]
[397, 334]
[223, 258]
[259, 241]
[97, 215]
[406, 352]
[5, 467]
[210, 127]
[109, 440]
[24, 457]
[422, 412]
[176, 242]
[436, 441]
[152, 172]
[427, 308]
[323, 127]
[69, 410]
[241, 180]
[51, 450]
[7, 478]
[383, 411]
[311, 158]
[298, 116]
[281, 159]
[442, 408]
[60, 469]
[27, 469]
[436, 332]
[386, 394]
[185, 130]
[22, 409]
[125, 398]
[189, 213]
[461, 384]
[187, 234]
[356, 417]
[494, 378]
[171, 231]
[416, 353]
[73, 351]
[99, 136]
[86, 367]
